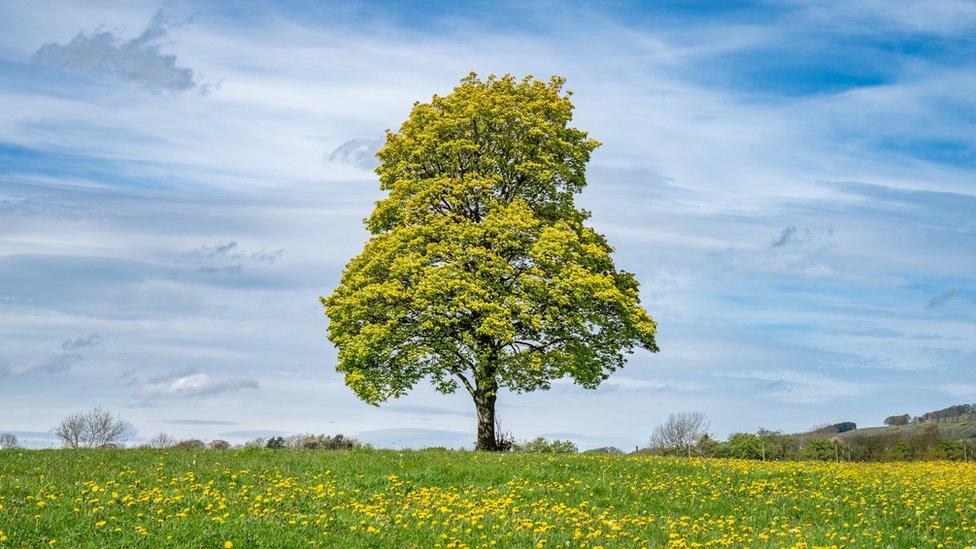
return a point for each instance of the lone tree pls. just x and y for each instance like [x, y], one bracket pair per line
[95, 428]
[680, 433]
[480, 271]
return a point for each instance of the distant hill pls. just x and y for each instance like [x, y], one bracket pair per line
[961, 427]
[957, 422]
[827, 431]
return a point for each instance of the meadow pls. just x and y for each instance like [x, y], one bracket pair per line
[435, 498]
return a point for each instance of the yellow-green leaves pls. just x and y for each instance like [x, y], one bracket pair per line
[480, 269]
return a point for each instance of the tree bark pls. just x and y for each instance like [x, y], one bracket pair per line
[485, 404]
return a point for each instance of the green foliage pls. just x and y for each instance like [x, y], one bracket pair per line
[902, 419]
[323, 442]
[818, 449]
[742, 446]
[547, 446]
[275, 443]
[611, 450]
[189, 444]
[480, 270]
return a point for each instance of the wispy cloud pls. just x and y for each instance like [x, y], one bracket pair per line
[52, 364]
[360, 153]
[802, 387]
[425, 410]
[75, 344]
[943, 298]
[200, 422]
[226, 258]
[960, 390]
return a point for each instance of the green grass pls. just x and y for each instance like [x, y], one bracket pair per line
[101, 498]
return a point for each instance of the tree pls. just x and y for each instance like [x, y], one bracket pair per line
[93, 428]
[480, 271]
[219, 444]
[7, 441]
[161, 441]
[680, 432]
[276, 443]
[897, 420]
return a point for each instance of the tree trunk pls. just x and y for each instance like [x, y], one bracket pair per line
[485, 405]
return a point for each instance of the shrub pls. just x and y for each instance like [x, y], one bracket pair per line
[323, 442]
[611, 450]
[547, 446]
[189, 444]
[819, 449]
[504, 440]
[276, 443]
[219, 445]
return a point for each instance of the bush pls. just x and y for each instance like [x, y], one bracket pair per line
[276, 443]
[819, 449]
[189, 444]
[611, 450]
[547, 446]
[219, 445]
[504, 440]
[323, 442]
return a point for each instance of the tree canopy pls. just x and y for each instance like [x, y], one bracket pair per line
[480, 271]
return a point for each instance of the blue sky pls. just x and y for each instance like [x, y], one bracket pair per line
[793, 183]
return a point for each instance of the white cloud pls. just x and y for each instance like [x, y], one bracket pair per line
[52, 364]
[802, 387]
[959, 390]
[192, 385]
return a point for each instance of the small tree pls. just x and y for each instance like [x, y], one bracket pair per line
[680, 432]
[276, 443]
[219, 444]
[95, 428]
[480, 271]
[7, 441]
[189, 444]
[161, 441]
[897, 420]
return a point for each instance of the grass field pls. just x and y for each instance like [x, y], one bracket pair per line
[260, 497]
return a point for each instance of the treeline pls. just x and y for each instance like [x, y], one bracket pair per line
[945, 414]
[926, 443]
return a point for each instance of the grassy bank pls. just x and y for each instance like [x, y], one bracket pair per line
[260, 497]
